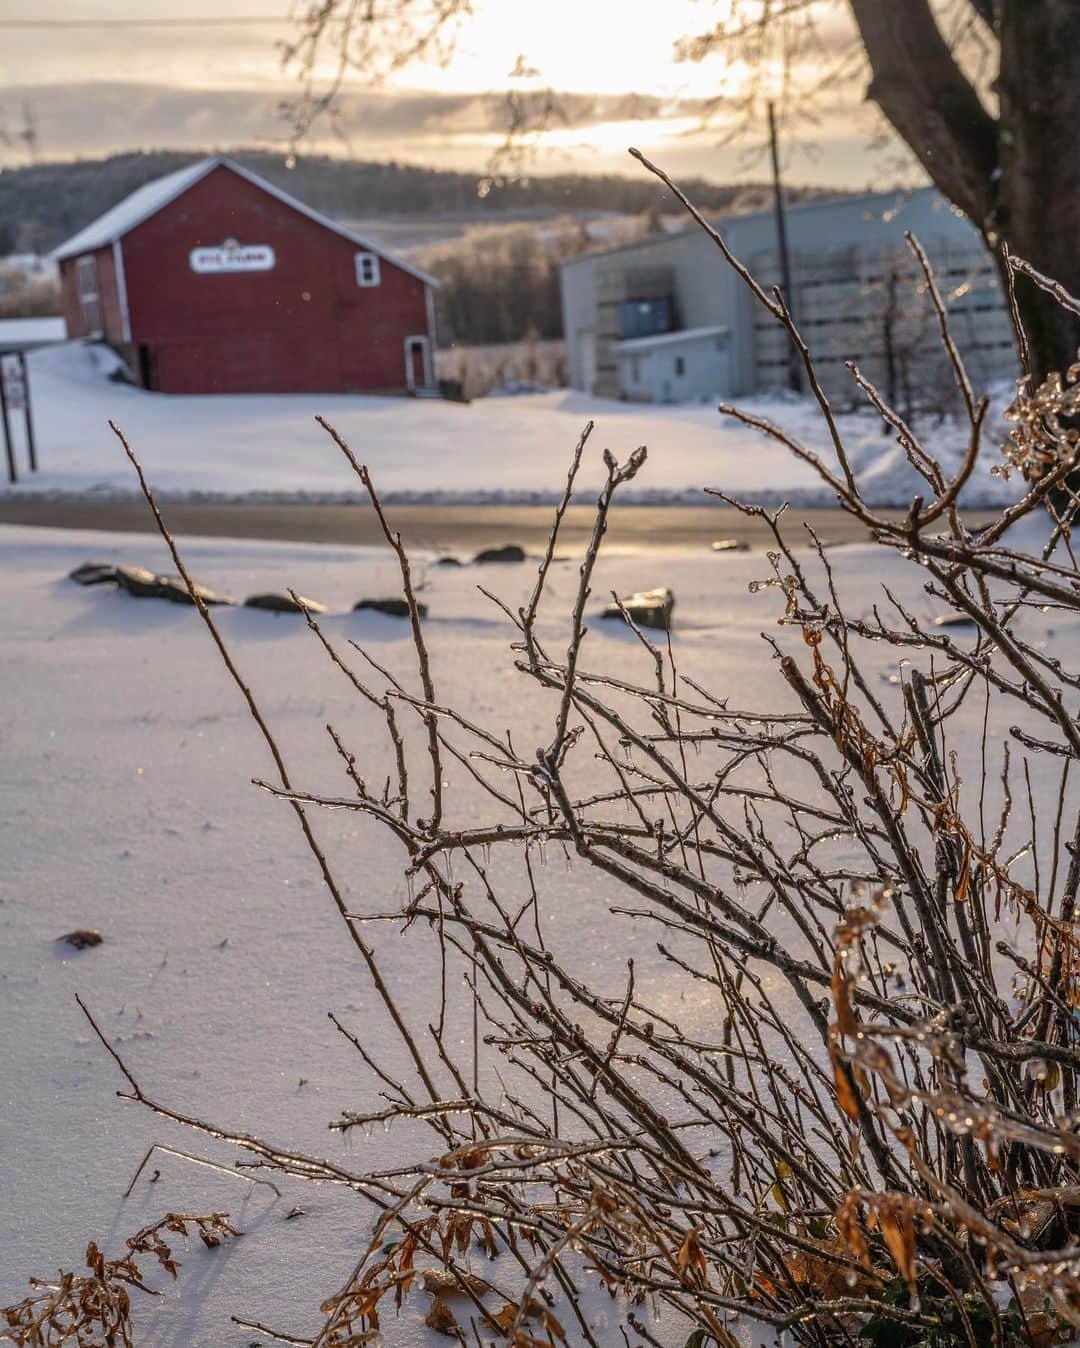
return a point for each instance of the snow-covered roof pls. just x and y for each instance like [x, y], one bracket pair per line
[886, 201]
[144, 202]
[154, 196]
[634, 345]
[23, 334]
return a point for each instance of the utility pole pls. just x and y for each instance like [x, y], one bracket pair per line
[29, 134]
[794, 362]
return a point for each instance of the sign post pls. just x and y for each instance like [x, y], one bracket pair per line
[13, 475]
[31, 446]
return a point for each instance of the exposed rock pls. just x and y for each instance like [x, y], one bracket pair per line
[278, 601]
[449, 561]
[509, 552]
[82, 938]
[731, 545]
[648, 608]
[137, 580]
[394, 608]
[144, 584]
[953, 620]
[93, 573]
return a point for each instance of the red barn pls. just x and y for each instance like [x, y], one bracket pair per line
[212, 280]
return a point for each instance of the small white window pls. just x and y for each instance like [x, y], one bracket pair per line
[367, 269]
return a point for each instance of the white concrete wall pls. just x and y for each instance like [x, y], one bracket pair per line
[705, 371]
[578, 282]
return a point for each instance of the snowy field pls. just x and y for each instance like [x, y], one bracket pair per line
[126, 806]
[495, 449]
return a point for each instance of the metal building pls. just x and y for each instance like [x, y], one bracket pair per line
[213, 280]
[667, 320]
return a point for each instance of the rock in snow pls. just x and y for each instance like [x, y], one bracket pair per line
[648, 608]
[730, 545]
[395, 608]
[82, 938]
[144, 584]
[93, 573]
[509, 552]
[278, 601]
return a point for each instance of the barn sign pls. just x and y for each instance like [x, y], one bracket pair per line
[233, 256]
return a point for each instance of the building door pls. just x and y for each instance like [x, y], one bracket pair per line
[147, 367]
[89, 291]
[418, 372]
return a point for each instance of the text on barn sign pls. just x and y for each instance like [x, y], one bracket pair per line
[233, 256]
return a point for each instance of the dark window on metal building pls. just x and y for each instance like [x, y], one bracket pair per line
[646, 318]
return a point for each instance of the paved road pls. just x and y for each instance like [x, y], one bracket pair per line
[449, 528]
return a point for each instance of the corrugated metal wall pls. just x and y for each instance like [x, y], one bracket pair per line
[869, 304]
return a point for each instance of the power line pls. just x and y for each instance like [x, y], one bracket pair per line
[210, 21]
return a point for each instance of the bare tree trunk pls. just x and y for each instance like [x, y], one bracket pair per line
[930, 102]
[1016, 178]
[1039, 205]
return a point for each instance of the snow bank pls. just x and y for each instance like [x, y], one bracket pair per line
[507, 450]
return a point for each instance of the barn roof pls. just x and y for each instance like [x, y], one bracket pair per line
[154, 196]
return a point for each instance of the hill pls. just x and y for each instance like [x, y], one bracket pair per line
[43, 204]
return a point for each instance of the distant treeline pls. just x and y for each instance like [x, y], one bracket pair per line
[504, 287]
[43, 204]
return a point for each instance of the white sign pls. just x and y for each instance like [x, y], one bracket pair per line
[14, 391]
[233, 256]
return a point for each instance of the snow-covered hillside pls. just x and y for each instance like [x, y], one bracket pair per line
[498, 449]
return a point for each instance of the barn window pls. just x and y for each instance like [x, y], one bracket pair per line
[635, 369]
[86, 282]
[680, 367]
[367, 269]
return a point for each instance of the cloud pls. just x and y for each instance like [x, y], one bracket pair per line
[441, 130]
[92, 118]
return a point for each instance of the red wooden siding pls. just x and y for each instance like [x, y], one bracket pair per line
[303, 326]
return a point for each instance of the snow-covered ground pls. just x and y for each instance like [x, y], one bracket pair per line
[126, 805]
[499, 449]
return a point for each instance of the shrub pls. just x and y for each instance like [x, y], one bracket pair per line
[877, 1140]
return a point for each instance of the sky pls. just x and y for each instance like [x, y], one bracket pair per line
[112, 85]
